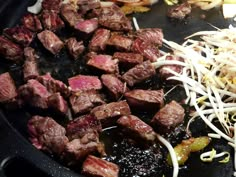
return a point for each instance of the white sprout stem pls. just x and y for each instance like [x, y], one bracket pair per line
[136, 26]
[172, 154]
[214, 135]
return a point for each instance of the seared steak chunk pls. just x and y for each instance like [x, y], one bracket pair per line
[84, 101]
[30, 67]
[19, 34]
[32, 22]
[94, 166]
[7, 88]
[137, 128]
[98, 42]
[10, 50]
[114, 85]
[58, 103]
[50, 41]
[139, 73]
[145, 99]
[114, 19]
[53, 5]
[87, 26]
[108, 113]
[168, 117]
[83, 82]
[51, 20]
[85, 5]
[151, 35]
[34, 94]
[46, 134]
[70, 14]
[128, 59]
[120, 42]
[179, 11]
[104, 63]
[75, 48]
[83, 125]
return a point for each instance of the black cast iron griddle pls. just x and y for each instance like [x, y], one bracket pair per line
[19, 158]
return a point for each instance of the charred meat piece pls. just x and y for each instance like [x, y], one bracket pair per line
[10, 50]
[87, 26]
[53, 5]
[83, 125]
[168, 117]
[177, 68]
[179, 11]
[54, 85]
[151, 35]
[85, 5]
[46, 134]
[94, 166]
[34, 94]
[104, 63]
[51, 20]
[19, 34]
[58, 103]
[120, 42]
[108, 113]
[98, 42]
[32, 22]
[70, 14]
[83, 82]
[128, 59]
[113, 18]
[78, 149]
[7, 88]
[30, 67]
[139, 73]
[50, 41]
[114, 85]
[137, 128]
[75, 48]
[145, 99]
[148, 50]
[84, 101]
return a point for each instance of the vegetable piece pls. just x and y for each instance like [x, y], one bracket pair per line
[184, 149]
[171, 2]
[133, 9]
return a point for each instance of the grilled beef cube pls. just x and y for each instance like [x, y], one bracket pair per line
[87, 26]
[108, 113]
[32, 23]
[120, 42]
[58, 103]
[164, 74]
[137, 128]
[30, 67]
[75, 48]
[7, 88]
[148, 50]
[98, 42]
[19, 34]
[151, 35]
[114, 85]
[46, 134]
[54, 85]
[84, 101]
[70, 14]
[104, 63]
[128, 59]
[34, 94]
[85, 5]
[51, 20]
[168, 117]
[113, 18]
[78, 149]
[96, 167]
[139, 73]
[51, 5]
[10, 50]
[179, 11]
[145, 99]
[82, 125]
[83, 82]
[50, 41]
